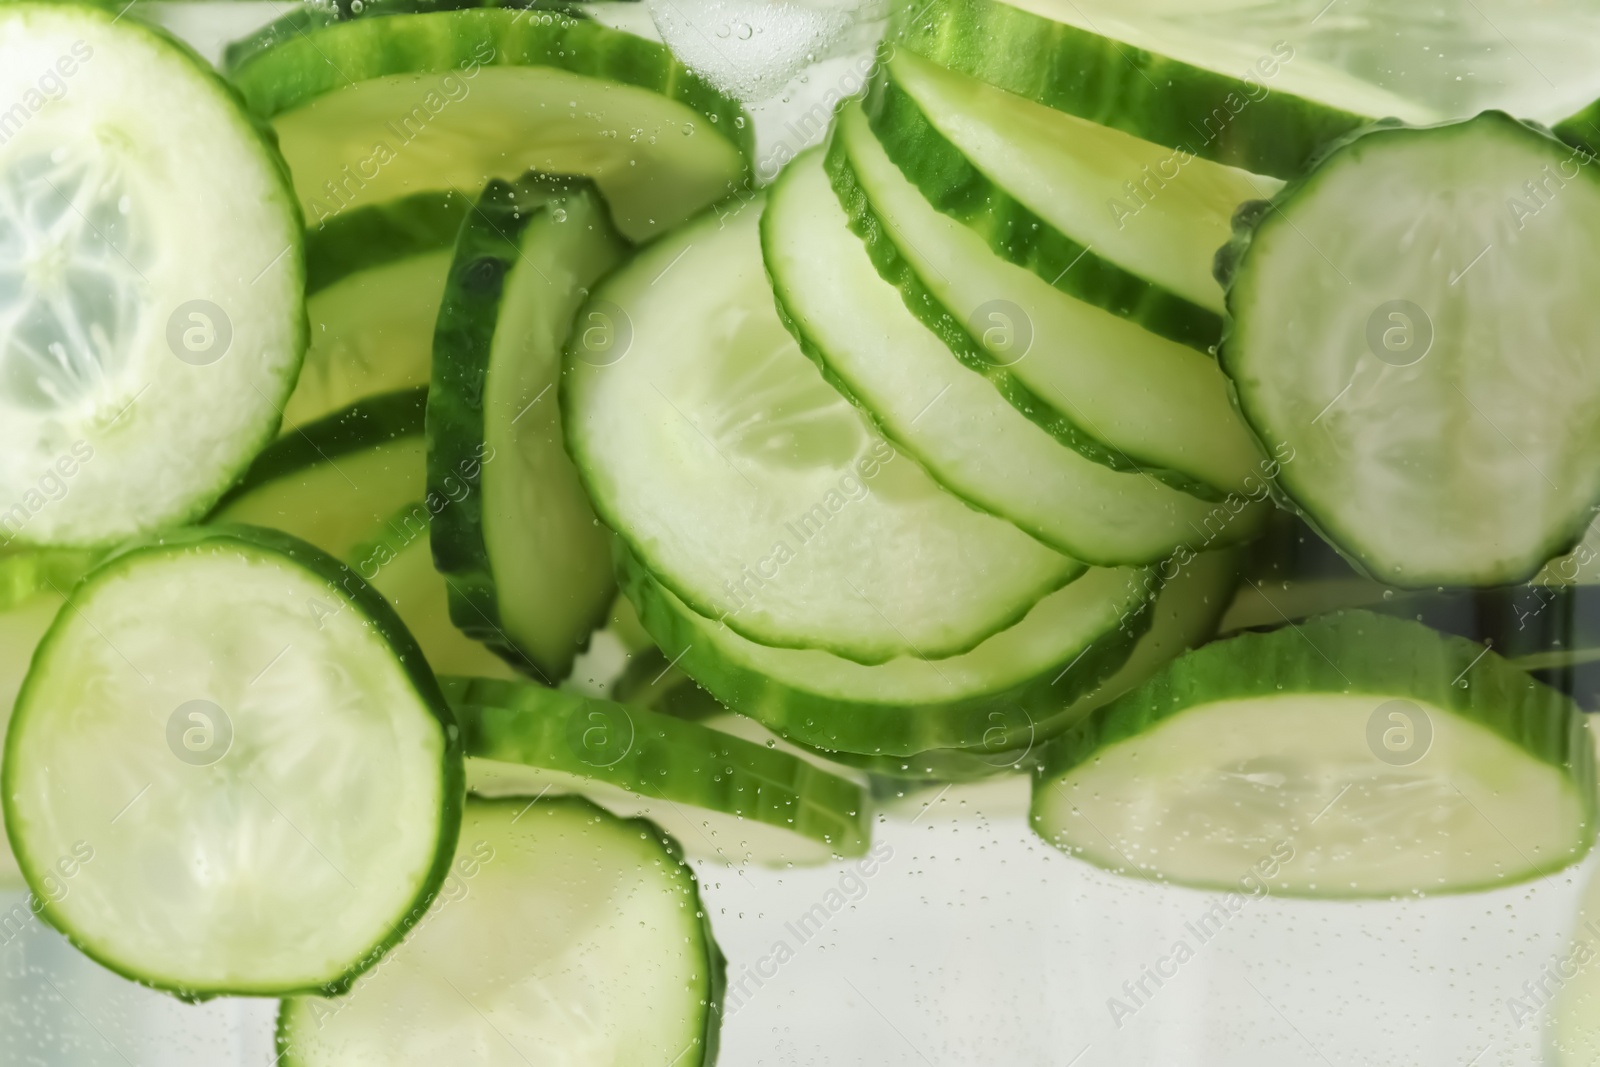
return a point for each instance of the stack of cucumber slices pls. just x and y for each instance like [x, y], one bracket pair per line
[445, 498]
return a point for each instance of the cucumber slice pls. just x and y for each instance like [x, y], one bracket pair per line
[1220, 99]
[753, 491]
[1006, 692]
[318, 736]
[1112, 220]
[1369, 337]
[374, 278]
[1350, 756]
[880, 355]
[749, 801]
[152, 313]
[1120, 395]
[22, 626]
[565, 935]
[335, 482]
[528, 563]
[373, 109]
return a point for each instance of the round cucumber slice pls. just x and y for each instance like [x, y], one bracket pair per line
[374, 278]
[1370, 335]
[280, 702]
[1349, 756]
[748, 801]
[1219, 98]
[529, 565]
[1008, 691]
[372, 109]
[152, 314]
[1099, 384]
[563, 935]
[753, 490]
[22, 627]
[877, 352]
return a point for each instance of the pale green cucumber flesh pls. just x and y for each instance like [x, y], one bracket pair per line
[721, 456]
[1421, 449]
[1349, 756]
[372, 109]
[724, 796]
[562, 935]
[281, 702]
[878, 353]
[151, 300]
[1265, 110]
[528, 563]
[1119, 394]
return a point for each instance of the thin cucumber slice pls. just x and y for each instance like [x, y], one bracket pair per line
[1267, 111]
[529, 565]
[747, 801]
[1118, 222]
[22, 627]
[563, 935]
[374, 278]
[752, 490]
[373, 109]
[1119, 394]
[1350, 756]
[334, 482]
[878, 353]
[1006, 692]
[1370, 333]
[281, 703]
[152, 315]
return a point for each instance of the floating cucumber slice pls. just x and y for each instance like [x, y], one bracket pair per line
[877, 352]
[151, 310]
[373, 109]
[1115, 221]
[746, 800]
[1267, 111]
[374, 278]
[1371, 337]
[22, 626]
[753, 491]
[563, 935]
[1349, 756]
[528, 563]
[1116, 393]
[281, 703]
[335, 481]
[1001, 695]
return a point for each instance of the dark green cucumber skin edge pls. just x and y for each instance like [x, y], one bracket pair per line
[487, 248]
[262, 133]
[512, 722]
[369, 422]
[306, 65]
[716, 962]
[372, 607]
[381, 234]
[1117, 85]
[893, 268]
[1232, 267]
[1030, 710]
[949, 181]
[1398, 658]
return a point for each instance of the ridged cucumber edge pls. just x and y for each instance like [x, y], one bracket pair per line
[1233, 262]
[892, 266]
[1398, 658]
[1122, 86]
[952, 184]
[870, 729]
[716, 962]
[376, 610]
[512, 722]
[325, 58]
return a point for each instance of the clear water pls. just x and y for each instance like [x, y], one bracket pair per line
[974, 942]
